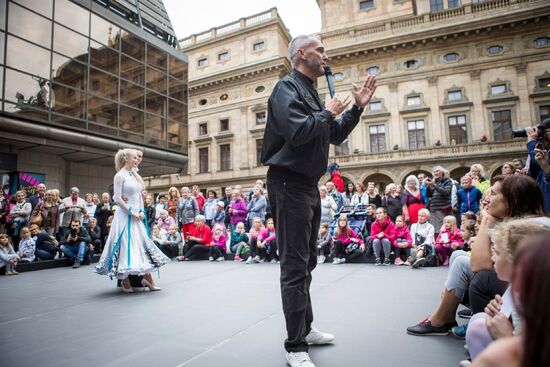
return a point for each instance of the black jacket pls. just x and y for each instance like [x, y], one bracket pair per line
[299, 130]
[440, 193]
[82, 235]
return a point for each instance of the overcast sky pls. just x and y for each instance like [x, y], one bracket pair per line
[190, 17]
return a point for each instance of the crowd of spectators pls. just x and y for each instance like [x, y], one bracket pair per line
[491, 233]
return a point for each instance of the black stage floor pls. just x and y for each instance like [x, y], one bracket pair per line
[218, 314]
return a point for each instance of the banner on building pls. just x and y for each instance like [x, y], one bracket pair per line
[26, 181]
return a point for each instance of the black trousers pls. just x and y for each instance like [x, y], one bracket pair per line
[192, 248]
[484, 287]
[296, 210]
[215, 252]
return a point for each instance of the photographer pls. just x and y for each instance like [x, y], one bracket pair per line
[538, 146]
[75, 243]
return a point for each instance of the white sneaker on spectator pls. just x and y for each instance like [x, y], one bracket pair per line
[273, 261]
[210, 258]
[221, 258]
[342, 260]
[336, 261]
[321, 259]
[299, 359]
[317, 337]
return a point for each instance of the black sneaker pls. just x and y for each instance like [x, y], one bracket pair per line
[76, 264]
[465, 314]
[386, 261]
[425, 327]
[377, 262]
[419, 262]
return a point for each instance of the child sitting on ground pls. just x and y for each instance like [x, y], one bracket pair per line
[382, 236]
[217, 247]
[422, 234]
[468, 230]
[239, 241]
[172, 245]
[324, 243]
[157, 235]
[267, 243]
[257, 228]
[8, 256]
[448, 240]
[403, 241]
[346, 241]
[27, 245]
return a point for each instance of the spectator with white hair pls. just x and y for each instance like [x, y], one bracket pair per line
[256, 205]
[165, 220]
[328, 206]
[411, 199]
[392, 202]
[187, 210]
[198, 240]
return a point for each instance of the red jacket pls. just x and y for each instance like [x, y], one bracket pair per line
[404, 233]
[204, 233]
[389, 230]
[336, 179]
[454, 236]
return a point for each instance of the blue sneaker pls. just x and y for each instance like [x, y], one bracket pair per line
[459, 331]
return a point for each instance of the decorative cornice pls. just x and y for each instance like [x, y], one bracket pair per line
[414, 110]
[224, 136]
[500, 99]
[455, 105]
[202, 139]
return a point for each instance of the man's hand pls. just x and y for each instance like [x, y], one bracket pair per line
[362, 94]
[532, 133]
[541, 156]
[337, 106]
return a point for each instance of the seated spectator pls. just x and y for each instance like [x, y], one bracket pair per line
[448, 240]
[75, 243]
[165, 221]
[198, 240]
[218, 244]
[96, 244]
[422, 234]
[19, 216]
[46, 245]
[257, 228]
[382, 236]
[468, 197]
[324, 243]
[529, 282]
[403, 241]
[370, 218]
[511, 197]
[172, 244]
[500, 318]
[239, 241]
[26, 246]
[4, 210]
[468, 230]
[158, 236]
[346, 242]
[8, 256]
[267, 243]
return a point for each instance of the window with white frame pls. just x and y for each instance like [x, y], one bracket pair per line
[223, 56]
[413, 101]
[375, 106]
[498, 89]
[417, 138]
[202, 62]
[258, 46]
[454, 95]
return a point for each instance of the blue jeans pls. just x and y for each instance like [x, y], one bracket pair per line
[75, 251]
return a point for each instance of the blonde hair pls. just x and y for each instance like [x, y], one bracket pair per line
[451, 219]
[120, 162]
[338, 230]
[512, 233]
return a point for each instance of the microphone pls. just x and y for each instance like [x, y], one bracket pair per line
[330, 80]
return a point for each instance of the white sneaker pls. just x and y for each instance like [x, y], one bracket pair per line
[210, 258]
[321, 259]
[336, 261]
[318, 337]
[221, 258]
[273, 261]
[299, 359]
[342, 260]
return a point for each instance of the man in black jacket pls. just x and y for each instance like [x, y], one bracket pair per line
[295, 147]
[75, 243]
[439, 191]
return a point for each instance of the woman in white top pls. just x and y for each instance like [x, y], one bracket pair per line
[360, 197]
[128, 249]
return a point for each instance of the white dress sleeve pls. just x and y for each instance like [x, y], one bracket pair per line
[117, 195]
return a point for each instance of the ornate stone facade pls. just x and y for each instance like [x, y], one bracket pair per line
[452, 85]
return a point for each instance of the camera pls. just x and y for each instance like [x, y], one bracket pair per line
[522, 133]
[74, 232]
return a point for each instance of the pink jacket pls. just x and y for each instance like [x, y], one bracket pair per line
[221, 242]
[165, 224]
[347, 240]
[389, 229]
[454, 236]
[404, 233]
[267, 236]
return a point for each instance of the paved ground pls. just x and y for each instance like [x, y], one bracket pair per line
[217, 314]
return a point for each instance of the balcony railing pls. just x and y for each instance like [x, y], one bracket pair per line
[229, 28]
[391, 26]
[432, 153]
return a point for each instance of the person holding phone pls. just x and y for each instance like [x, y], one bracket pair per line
[539, 159]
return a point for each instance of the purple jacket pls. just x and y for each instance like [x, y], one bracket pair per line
[240, 207]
